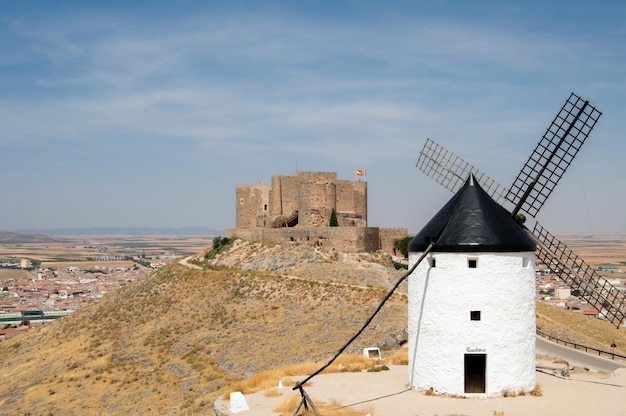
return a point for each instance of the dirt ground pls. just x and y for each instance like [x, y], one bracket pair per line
[599, 249]
[386, 394]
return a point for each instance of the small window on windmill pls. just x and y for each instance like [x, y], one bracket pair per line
[265, 207]
[240, 201]
[472, 263]
[432, 262]
[525, 262]
[474, 315]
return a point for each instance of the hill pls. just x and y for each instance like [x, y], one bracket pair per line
[169, 342]
[18, 238]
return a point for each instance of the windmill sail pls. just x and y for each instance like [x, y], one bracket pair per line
[537, 179]
[450, 171]
[577, 274]
[553, 155]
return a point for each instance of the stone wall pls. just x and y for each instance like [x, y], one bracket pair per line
[345, 239]
[298, 208]
[304, 198]
[316, 201]
[252, 202]
[387, 238]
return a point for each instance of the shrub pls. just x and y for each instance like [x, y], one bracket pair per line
[402, 245]
[219, 244]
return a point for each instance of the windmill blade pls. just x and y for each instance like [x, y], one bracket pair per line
[537, 179]
[553, 155]
[449, 170]
[577, 274]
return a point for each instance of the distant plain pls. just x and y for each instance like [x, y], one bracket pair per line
[60, 251]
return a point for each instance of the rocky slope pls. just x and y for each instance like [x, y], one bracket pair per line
[329, 265]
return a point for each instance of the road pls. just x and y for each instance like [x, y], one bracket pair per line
[184, 262]
[577, 357]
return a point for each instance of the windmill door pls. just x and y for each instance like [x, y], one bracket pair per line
[475, 370]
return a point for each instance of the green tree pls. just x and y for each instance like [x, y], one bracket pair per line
[219, 244]
[333, 219]
[402, 245]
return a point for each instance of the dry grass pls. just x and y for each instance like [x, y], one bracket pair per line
[270, 378]
[537, 391]
[577, 328]
[272, 393]
[6, 274]
[400, 357]
[334, 408]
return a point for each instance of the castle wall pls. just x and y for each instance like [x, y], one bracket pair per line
[252, 202]
[316, 176]
[310, 195]
[387, 238]
[359, 199]
[316, 201]
[276, 197]
[290, 191]
[351, 203]
[293, 207]
[346, 239]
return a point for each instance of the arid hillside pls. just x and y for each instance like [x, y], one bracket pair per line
[169, 342]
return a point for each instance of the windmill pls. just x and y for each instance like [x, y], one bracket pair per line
[485, 224]
[537, 179]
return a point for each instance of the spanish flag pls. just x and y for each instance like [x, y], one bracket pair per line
[360, 172]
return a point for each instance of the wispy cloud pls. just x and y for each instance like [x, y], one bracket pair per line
[237, 70]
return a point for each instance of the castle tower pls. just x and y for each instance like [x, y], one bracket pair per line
[472, 300]
[316, 200]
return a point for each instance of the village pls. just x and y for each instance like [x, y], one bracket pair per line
[553, 291]
[50, 293]
[57, 279]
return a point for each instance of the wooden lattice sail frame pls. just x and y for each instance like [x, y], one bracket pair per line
[537, 179]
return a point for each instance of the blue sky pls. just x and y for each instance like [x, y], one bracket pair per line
[147, 113]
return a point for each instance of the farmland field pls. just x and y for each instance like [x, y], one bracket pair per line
[599, 250]
[91, 251]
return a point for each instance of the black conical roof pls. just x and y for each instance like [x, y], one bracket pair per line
[472, 221]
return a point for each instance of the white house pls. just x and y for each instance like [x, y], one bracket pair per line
[472, 300]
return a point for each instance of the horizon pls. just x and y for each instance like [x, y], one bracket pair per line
[183, 231]
[147, 115]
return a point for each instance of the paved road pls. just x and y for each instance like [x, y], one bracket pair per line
[577, 357]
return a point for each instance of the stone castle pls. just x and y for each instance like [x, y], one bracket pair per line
[299, 208]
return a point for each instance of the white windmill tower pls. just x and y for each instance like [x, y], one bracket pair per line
[472, 302]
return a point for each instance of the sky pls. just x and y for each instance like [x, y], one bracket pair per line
[149, 113]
